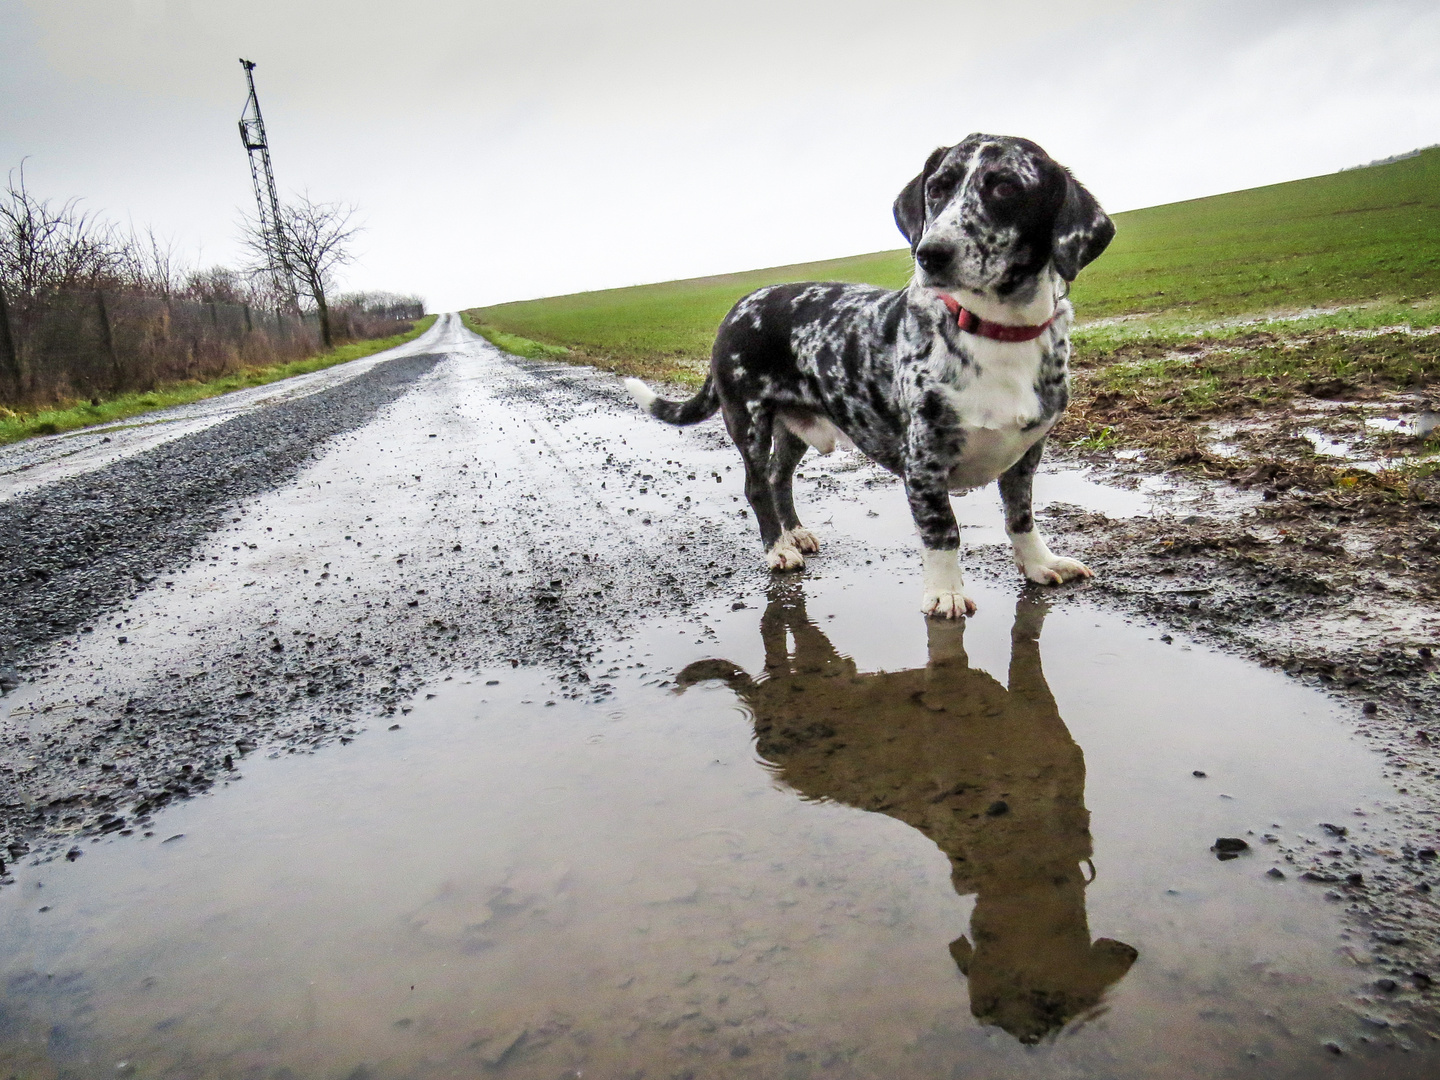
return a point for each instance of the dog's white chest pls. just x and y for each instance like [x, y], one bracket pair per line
[988, 453]
[997, 407]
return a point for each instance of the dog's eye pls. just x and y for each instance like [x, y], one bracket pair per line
[1004, 190]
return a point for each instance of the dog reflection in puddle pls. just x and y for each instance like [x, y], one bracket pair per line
[990, 774]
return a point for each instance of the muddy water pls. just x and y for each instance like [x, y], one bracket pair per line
[807, 837]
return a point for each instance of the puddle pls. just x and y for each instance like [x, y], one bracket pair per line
[1342, 431]
[1330, 445]
[1420, 424]
[980, 513]
[813, 836]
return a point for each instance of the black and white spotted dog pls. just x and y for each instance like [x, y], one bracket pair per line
[949, 383]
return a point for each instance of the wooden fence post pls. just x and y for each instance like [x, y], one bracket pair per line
[108, 337]
[9, 354]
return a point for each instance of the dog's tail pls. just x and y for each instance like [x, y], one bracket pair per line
[700, 407]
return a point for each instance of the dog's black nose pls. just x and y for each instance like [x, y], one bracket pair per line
[933, 257]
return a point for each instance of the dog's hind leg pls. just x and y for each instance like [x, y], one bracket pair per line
[752, 430]
[789, 449]
[1032, 557]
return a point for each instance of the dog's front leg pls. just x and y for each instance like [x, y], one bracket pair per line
[1033, 557]
[926, 486]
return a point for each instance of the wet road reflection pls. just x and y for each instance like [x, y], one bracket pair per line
[989, 773]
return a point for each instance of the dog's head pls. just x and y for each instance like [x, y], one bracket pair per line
[990, 213]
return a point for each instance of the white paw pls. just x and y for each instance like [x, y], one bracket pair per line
[943, 588]
[1055, 570]
[784, 556]
[804, 540]
[947, 605]
[1042, 566]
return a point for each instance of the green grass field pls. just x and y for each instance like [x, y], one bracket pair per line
[1367, 240]
[16, 426]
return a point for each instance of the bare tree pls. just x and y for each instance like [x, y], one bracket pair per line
[89, 308]
[149, 263]
[316, 237]
[45, 247]
[217, 285]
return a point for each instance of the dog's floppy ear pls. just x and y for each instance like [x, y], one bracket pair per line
[910, 203]
[1082, 230]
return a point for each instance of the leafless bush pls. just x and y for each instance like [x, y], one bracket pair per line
[44, 247]
[88, 311]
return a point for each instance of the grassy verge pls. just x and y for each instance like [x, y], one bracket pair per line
[655, 368]
[513, 344]
[17, 426]
[663, 332]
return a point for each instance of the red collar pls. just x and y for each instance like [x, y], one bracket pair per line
[971, 323]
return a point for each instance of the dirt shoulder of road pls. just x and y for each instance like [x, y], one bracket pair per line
[1327, 560]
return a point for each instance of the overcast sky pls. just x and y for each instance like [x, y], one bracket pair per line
[503, 150]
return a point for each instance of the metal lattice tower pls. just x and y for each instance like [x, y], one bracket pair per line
[267, 200]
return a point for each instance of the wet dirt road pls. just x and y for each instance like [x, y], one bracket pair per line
[513, 762]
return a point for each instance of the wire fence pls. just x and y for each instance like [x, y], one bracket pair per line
[63, 346]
